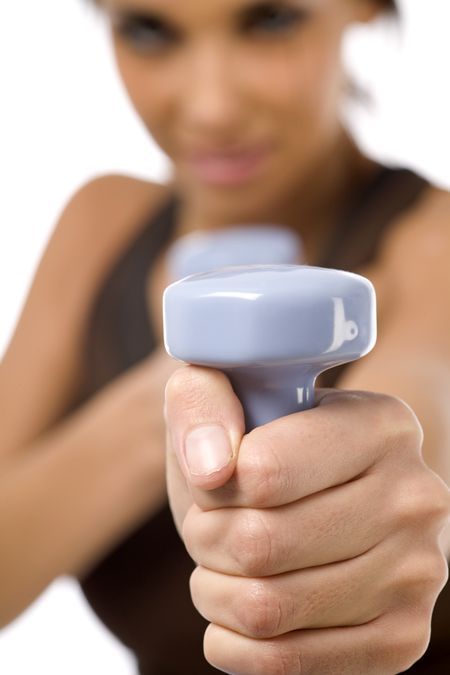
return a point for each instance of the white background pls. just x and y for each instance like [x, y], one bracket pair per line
[64, 118]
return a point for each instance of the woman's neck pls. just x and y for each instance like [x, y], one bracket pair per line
[314, 208]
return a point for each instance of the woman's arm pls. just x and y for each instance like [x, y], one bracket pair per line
[412, 356]
[71, 487]
[41, 373]
[67, 498]
[318, 537]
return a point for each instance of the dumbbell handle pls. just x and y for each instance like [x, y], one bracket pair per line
[269, 393]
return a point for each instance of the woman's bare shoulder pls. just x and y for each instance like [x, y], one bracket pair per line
[46, 349]
[413, 273]
[97, 222]
[109, 209]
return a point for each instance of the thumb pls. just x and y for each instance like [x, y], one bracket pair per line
[205, 425]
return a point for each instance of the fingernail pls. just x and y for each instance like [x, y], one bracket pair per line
[207, 450]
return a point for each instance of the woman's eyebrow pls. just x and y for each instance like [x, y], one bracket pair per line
[166, 10]
[134, 6]
[136, 9]
[126, 5]
[144, 6]
[249, 5]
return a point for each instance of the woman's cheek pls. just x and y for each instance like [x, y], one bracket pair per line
[149, 86]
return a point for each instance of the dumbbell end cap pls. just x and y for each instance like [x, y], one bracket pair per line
[270, 315]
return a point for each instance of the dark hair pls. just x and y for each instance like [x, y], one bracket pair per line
[391, 6]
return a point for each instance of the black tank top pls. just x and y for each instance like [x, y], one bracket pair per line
[141, 589]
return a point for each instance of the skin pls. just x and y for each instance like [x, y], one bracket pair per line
[347, 597]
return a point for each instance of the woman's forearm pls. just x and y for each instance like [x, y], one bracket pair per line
[66, 499]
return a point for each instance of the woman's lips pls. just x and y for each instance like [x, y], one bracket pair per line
[228, 168]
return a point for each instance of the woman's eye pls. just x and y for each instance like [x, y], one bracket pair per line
[144, 34]
[272, 18]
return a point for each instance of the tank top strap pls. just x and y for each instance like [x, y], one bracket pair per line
[119, 333]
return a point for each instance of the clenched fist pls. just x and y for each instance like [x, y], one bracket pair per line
[316, 537]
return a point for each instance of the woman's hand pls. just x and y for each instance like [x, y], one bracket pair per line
[316, 537]
[120, 433]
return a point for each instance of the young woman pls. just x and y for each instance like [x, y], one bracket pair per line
[244, 97]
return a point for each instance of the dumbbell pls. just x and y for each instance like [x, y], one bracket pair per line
[272, 329]
[203, 251]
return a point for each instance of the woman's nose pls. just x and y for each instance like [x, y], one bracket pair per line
[211, 101]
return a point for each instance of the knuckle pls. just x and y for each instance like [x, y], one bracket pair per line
[407, 439]
[437, 573]
[400, 642]
[212, 647]
[399, 410]
[405, 505]
[195, 585]
[267, 657]
[407, 644]
[441, 499]
[261, 471]
[420, 580]
[422, 499]
[261, 612]
[251, 545]
[405, 432]
[189, 533]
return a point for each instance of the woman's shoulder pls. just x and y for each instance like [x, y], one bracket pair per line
[95, 225]
[100, 220]
[422, 233]
[413, 260]
[413, 269]
[112, 207]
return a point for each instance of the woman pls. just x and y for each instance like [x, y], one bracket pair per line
[244, 96]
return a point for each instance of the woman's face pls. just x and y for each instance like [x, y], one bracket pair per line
[243, 95]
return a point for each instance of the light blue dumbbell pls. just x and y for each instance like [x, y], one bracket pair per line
[203, 251]
[272, 330]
